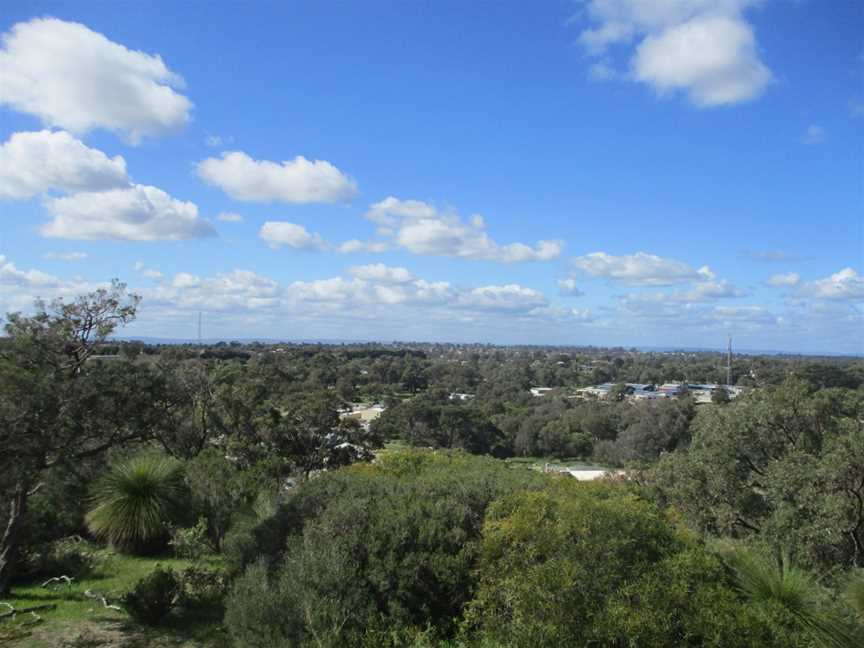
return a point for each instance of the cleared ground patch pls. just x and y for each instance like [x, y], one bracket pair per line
[77, 621]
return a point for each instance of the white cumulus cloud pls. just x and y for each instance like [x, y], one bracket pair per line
[510, 297]
[422, 229]
[32, 163]
[234, 292]
[568, 288]
[706, 287]
[787, 279]
[279, 233]
[19, 288]
[293, 181]
[138, 213]
[355, 245]
[640, 269]
[10, 275]
[381, 273]
[230, 217]
[704, 48]
[72, 77]
[845, 285]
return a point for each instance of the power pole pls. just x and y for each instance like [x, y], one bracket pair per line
[729, 363]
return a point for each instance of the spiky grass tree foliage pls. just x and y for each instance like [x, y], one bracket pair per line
[854, 592]
[136, 501]
[781, 586]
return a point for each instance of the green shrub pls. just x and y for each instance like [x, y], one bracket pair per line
[201, 587]
[190, 542]
[262, 611]
[137, 500]
[239, 546]
[550, 559]
[372, 549]
[153, 596]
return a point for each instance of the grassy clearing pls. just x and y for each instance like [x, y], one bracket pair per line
[535, 463]
[80, 622]
[538, 463]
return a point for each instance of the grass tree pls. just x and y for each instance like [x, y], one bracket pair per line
[136, 502]
[779, 586]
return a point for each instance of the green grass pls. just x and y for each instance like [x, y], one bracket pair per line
[80, 621]
[536, 463]
[539, 462]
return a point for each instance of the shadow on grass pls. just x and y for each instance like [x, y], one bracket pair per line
[46, 596]
[200, 625]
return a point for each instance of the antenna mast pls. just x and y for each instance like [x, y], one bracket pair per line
[199, 327]
[729, 363]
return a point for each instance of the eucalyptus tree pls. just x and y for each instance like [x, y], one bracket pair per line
[60, 406]
[784, 465]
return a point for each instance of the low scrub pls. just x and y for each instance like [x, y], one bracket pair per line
[153, 597]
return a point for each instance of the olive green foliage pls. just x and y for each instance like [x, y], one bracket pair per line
[427, 548]
[550, 559]
[220, 491]
[137, 500]
[264, 611]
[596, 565]
[370, 548]
[152, 598]
[202, 587]
[783, 467]
[433, 420]
[649, 430]
[685, 599]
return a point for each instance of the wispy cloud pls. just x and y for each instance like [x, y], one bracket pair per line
[65, 256]
[770, 256]
[814, 134]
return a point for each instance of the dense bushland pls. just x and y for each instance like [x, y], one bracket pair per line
[435, 545]
[356, 553]
[737, 524]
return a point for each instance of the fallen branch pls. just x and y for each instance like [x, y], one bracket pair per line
[13, 612]
[58, 579]
[36, 619]
[100, 597]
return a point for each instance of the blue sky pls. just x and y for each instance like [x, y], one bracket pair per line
[600, 172]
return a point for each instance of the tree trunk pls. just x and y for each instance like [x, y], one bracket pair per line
[12, 536]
